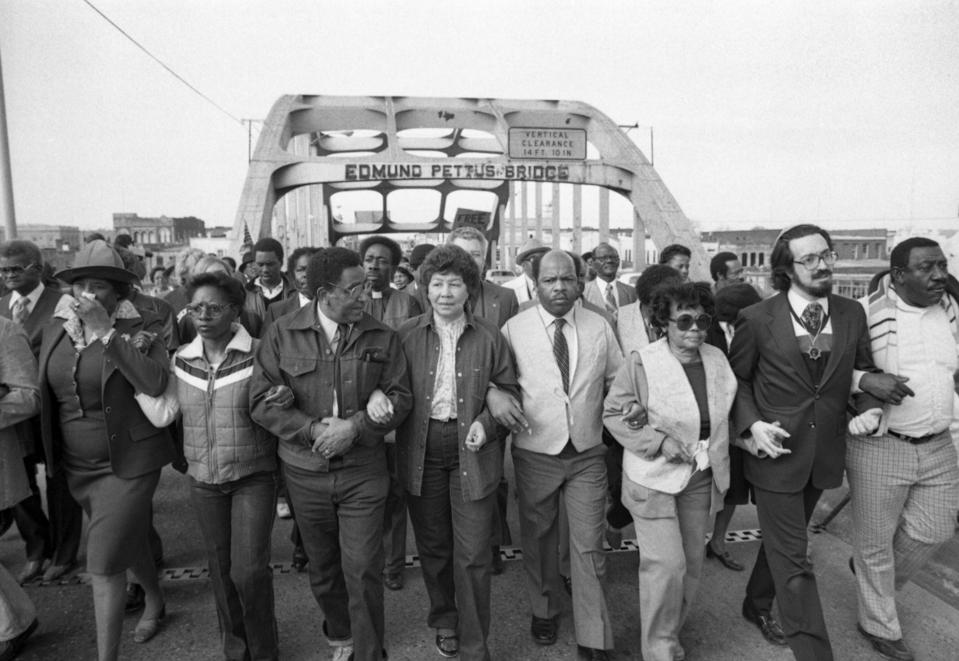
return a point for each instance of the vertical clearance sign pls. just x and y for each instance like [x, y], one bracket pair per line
[548, 143]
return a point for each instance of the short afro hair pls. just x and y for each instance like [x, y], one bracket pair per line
[231, 288]
[327, 266]
[718, 264]
[683, 294]
[396, 253]
[295, 257]
[672, 250]
[268, 244]
[899, 257]
[781, 259]
[651, 278]
[21, 248]
[450, 259]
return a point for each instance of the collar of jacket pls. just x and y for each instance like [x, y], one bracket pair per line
[426, 320]
[306, 318]
[241, 341]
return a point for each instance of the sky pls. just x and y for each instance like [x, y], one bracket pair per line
[764, 113]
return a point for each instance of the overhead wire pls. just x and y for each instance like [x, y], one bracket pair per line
[163, 64]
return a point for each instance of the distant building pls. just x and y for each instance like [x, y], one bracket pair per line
[58, 238]
[158, 233]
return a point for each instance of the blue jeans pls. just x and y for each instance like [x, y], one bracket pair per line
[453, 539]
[340, 516]
[236, 520]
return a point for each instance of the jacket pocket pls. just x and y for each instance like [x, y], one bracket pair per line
[144, 432]
[297, 365]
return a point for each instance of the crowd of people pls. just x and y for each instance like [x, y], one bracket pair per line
[361, 388]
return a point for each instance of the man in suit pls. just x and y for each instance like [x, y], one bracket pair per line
[30, 303]
[566, 358]
[797, 356]
[296, 271]
[524, 285]
[269, 287]
[380, 256]
[605, 291]
[725, 269]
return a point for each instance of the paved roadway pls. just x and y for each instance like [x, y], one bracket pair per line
[929, 609]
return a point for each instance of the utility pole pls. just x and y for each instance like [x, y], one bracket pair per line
[6, 173]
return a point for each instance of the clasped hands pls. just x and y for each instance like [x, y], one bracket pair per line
[767, 440]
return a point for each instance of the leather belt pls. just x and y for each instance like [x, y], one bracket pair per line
[915, 440]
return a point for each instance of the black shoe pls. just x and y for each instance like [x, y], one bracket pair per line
[591, 654]
[9, 649]
[543, 630]
[136, 598]
[888, 649]
[300, 561]
[723, 557]
[497, 567]
[393, 581]
[766, 622]
[567, 584]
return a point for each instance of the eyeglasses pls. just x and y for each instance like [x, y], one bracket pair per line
[353, 292]
[15, 270]
[685, 321]
[811, 261]
[210, 309]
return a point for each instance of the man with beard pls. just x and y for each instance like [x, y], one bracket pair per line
[797, 357]
[903, 475]
[332, 356]
[566, 358]
[605, 291]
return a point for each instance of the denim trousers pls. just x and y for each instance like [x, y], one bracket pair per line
[236, 521]
[453, 539]
[340, 517]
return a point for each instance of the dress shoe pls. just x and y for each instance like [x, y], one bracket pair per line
[592, 654]
[723, 557]
[9, 649]
[300, 561]
[56, 572]
[888, 649]
[393, 581]
[543, 630]
[567, 584]
[448, 645]
[30, 571]
[136, 598]
[148, 627]
[497, 566]
[767, 624]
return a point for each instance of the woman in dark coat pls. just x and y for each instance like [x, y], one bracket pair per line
[95, 355]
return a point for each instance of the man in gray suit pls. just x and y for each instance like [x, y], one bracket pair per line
[566, 358]
[606, 291]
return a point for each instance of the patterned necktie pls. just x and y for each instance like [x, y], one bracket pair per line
[561, 352]
[611, 300]
[339, 343]
[20, 312]
[812, 318]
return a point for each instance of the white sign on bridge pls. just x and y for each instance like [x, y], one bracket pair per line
[547, 143]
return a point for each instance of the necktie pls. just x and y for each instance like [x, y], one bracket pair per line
[339, 343]
[561, 352]
[812, 318]
[20, 312]
[611, 300]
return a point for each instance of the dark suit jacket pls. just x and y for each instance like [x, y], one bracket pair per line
[38, 318]
[774, 384]
[136, 446]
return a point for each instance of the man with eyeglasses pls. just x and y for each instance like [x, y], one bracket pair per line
[31, 304]
[797, 356]
[332, 355]
[901, 462]
[606, 291]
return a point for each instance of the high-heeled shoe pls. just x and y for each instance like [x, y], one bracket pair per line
[148, 627]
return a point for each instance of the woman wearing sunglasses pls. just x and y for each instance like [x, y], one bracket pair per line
[676, 465]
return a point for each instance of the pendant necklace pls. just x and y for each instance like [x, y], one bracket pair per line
[814, 352]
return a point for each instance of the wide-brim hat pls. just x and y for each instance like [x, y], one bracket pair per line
[529, 249]
[97, 260]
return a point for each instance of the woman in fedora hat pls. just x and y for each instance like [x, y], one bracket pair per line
[98, 352]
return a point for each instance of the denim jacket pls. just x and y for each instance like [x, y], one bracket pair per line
[295, 352]
[482, 358]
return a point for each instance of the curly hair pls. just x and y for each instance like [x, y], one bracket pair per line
[781, 259]
[683, 294]
[295, 257]
[396, 253]
[651, 278]
[327, 265]
[231, 288]
[672, 250]
[21, 248]
[450, 259]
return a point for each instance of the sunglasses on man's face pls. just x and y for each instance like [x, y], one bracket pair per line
[685, 321]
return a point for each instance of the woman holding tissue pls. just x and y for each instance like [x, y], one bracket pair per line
[676, 465]
[449, 453]
[97, 352]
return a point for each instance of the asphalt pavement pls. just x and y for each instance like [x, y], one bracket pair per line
[715, 631]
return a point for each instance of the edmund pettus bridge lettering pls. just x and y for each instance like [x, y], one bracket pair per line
[504, 171]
